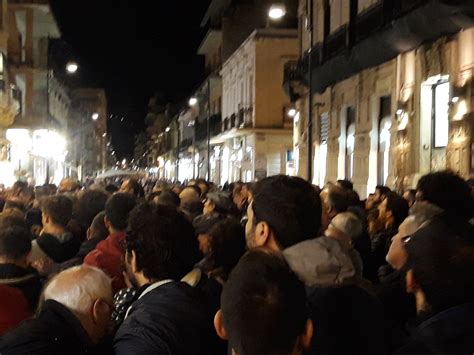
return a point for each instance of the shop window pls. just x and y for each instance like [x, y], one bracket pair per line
[440, 114]
[385, 124]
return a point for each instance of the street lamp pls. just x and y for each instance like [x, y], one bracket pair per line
[193, 101]
[277, 12]
[95, 116]
[72, 67]
[292, 112]
[167, 129]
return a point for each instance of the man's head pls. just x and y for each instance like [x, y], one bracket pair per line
[68, 185]
[393, 210]
[448, 191]
[97, 229]
[132, 187]
[380, 194]
[410, 196]
[88, 205]
[56, 210]
[15, 245]
[440, 264]
[117, 210]
[190, 194]
[420, 214]
[218, 202]
[263, 308]
[203, 186]
[345, 227]
[168, 198]
[160, 245]
[345, 184]
[335, 200]
[87, 293]
[285, 211]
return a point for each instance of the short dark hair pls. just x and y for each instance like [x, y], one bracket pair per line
[227, 242]
[163, 241]
[118, 208]
[11, 204]
[111, 188]
[15, 242]
[98, 228]
[448, 191]
[346, 184]
[136, 187]
[59, 208]
[290, 206]
[195, 188]
[169, 198]
[441, 256]
[398, 206]
[263, 305]
[384, 190]
[88, 205]
[338, 198]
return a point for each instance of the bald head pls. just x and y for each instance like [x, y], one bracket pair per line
[189, 195]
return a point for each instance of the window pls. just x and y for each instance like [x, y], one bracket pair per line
[366, 4]
[350, 142]
[440, 113]
[323, 149]
[385, 124]
[339, 14]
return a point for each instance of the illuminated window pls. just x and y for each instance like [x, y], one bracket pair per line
[385, 124]
[441, 120]
[350, 142]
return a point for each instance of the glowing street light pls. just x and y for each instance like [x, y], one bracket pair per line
[193, 101]
[167, 129]
[95, 116]
[72, 67]
[277, 12]
[292, 112]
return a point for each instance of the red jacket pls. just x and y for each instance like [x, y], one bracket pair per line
[14, 308]
[108, 256]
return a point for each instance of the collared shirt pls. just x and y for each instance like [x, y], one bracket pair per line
[148, 290]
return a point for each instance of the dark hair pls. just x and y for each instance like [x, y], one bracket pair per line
[163, 241]
[384, 190]
[227, 241]
[441, 256]
[448, 191]
[13, 218]
[290, 206]
[15, 242]
[195, 188]
[98, 228]
[88, 205]
[14, 204]
[398, 206]
[345, 184]
[353, 198]
[59, 208]
[169, 198]
[337, 198]
[118, 208]
[111, 188]
[18, 187]
[136, 187]
[263, 305]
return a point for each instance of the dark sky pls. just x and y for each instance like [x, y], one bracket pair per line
[134, 48]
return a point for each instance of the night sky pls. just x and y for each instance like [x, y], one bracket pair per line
[134, 48]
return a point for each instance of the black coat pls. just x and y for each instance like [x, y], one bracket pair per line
[27, 281]
[347, 320]
[174, 318]
[55, 331]
[448, 332]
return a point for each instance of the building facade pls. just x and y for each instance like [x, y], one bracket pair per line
[393, 92]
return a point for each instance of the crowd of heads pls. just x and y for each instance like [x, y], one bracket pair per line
[283, 266]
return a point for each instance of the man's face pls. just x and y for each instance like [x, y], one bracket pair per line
[397, 255]
[377, 197]
[383, 211]
[208, 207]
[204, 245]
[250, 228]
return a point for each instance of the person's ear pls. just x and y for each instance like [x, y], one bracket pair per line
[89, 233]
[411, 284]
[133, 261]
[304, 340]
[107, 222]
[263, 233]
[219, 326]
[100, 310]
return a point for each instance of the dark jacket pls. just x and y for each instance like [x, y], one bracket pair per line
[55, 331]
[448, 332]
[86, 247]
[380, 244]
[26, 280]
[171, 319]
[347, 319]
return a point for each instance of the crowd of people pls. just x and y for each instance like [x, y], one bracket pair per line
[277, 267]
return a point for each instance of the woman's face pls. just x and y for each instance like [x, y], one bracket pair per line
[208, 207]
[204, 243]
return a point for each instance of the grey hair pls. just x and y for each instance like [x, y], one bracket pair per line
[78, 287]
[424, 212]
[348, 223]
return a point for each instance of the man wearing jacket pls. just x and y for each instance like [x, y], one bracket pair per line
[108, 254]
[285, 215]
[168, 316]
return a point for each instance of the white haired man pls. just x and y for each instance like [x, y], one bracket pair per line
[74, 318]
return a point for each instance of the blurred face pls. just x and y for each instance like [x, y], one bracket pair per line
[125, 188]
[369, 203]
[377, 197]
[407, 196]
[204, 243]
[250, 228]
[208, 207]
[384, 213]
[397, 255]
